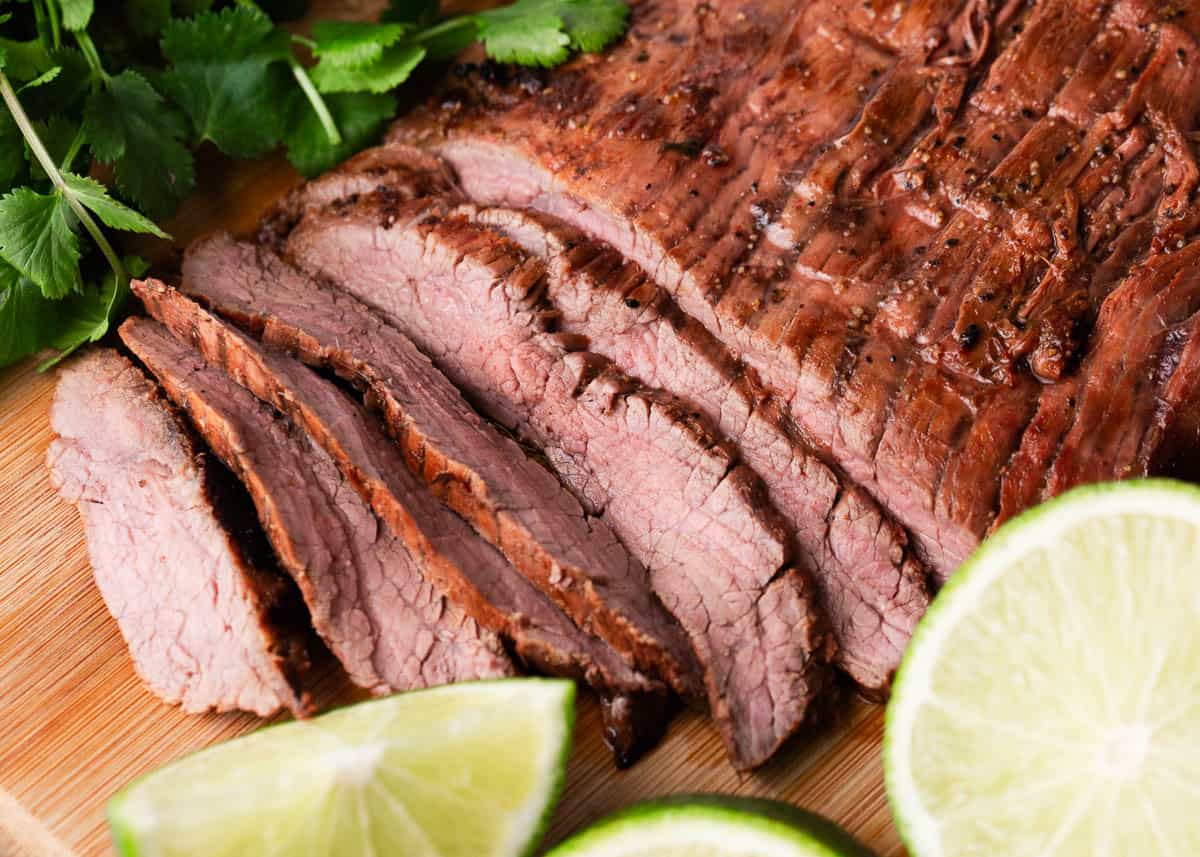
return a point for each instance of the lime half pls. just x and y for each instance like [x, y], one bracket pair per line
[470, 769]
[712, 826]
[1049, 703]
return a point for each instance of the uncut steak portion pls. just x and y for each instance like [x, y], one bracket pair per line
[468, 570]
[206, 629]
[921, 223]
[872, 589]
[512, 502]
[717, 553]
[369, 602]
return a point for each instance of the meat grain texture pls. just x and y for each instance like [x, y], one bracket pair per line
[717, 552]
[206, 629]
[367, 598]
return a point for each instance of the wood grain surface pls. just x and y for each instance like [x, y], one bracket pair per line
[76, 724]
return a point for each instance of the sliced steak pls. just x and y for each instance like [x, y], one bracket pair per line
[717, 554]
[909, 218]
[872, 589]
[403, 171]
[451, 555]
[206, 629]
[511, 501]
[368, 600]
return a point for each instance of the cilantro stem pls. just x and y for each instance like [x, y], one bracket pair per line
[88, 48]
[55, 27]
[442, 27]
[317, 102]
[73, 150]
[44, 23]
[47, 163]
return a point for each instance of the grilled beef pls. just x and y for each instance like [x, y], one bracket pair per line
[206, 628]
[463, 566]
[949, 236]
[402, 171]
[718, 555]
[512, 502]
[872, 588]
[368, 600]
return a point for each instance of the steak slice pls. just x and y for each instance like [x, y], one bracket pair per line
[872, 588]
[403, 171]
[909, 218]
[206, 629]
[368, 600]
[717, 554]
[512, 502]
[451, 555]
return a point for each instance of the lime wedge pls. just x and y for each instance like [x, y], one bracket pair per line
[471, 769]
[1049, 703]
[712, 826]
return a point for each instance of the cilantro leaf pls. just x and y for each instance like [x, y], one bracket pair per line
[12, 151]
[64, 94]
[76, 13]
[594, 24]
[94, 196]
[24, 60]
[37, 238]
[449, 38]
[228, 76]
[391, 70]
[42, 79]
[87, 315]
[529, 36]
[353, 44]
[129, 125]
[56, 135]
[231, 34]
[360, 116]
[541, 32]
[26, 316]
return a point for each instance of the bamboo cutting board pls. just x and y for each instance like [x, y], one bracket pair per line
[76, 724]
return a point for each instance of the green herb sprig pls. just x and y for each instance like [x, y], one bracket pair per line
[130, 90]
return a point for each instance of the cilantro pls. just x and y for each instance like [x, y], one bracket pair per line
[351, 43]
[129, 125]
[137, 87]
[25, 60]
[94, 197]
[392, 69]
[37, 238]
[541, 32]
[361, 117]
[12, 152]
[88, 315]
[226, 76]
[529, 37]
[26, 316]
[76, 13]
[56, 133]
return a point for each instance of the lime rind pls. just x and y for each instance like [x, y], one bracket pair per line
[367, 740]
[1036, 529]
[712, 824]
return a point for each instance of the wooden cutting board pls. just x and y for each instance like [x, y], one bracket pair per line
[76, 724]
